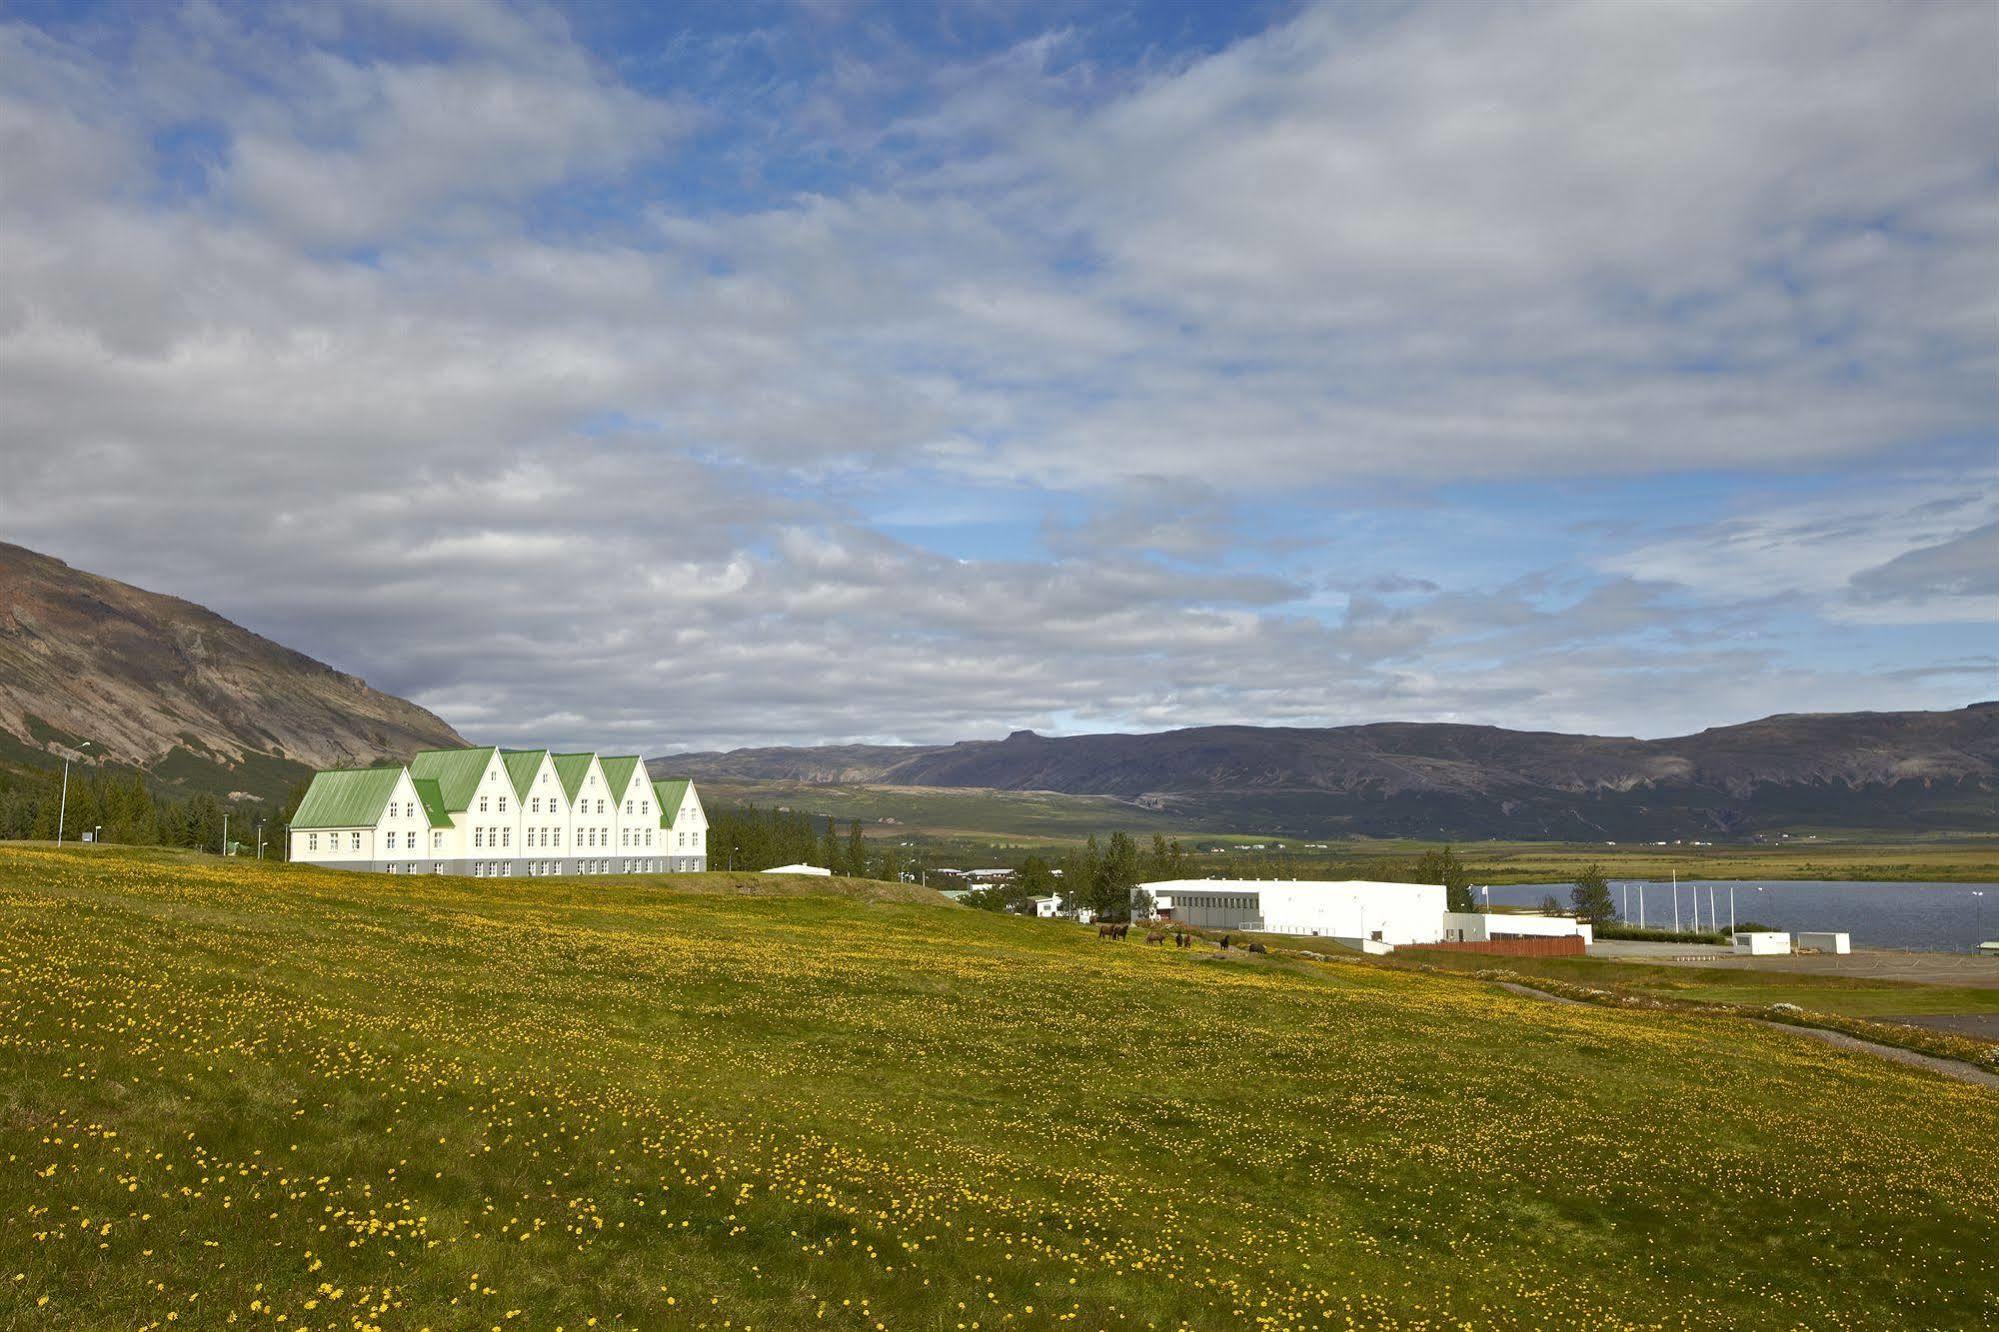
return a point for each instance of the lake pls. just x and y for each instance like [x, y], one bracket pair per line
[1934, 917]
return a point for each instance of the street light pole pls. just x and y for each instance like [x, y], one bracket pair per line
[62, 809]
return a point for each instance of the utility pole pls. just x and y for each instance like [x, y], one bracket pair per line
[1676, 901]
[1731, 911]
[1641, 904]
[225, 833]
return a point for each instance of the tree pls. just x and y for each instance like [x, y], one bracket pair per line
[1445, 868]
[1116, 876]
[1035, 878]
[829, 848]
[1591, 896]
[1551, 905]
[857, 850]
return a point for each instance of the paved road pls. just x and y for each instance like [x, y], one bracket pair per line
[1978, 1026]
[1866, 964]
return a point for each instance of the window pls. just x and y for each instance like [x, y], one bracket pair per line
[392, 814]
[437, 841]
[625, 837]
[534, 805]
[558, 837]
[503, 804]
[645, 806]
[354, 841]
[482, 805]
[628, 807]
[312, 841]
[506, 837]
[478, 837]
[648, 837]
[600, 807]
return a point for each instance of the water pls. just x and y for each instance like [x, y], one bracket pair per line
[1933, 917]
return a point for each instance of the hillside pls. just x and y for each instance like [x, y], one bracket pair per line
[166, 686]
[1901, 770]
[639, 1104]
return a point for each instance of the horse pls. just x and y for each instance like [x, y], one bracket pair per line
[1107, 931]
[1156, 937]
[1258, 948]
[1225, 942]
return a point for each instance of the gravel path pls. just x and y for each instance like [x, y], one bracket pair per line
[1949, 1068]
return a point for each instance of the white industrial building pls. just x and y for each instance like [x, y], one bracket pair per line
[1353, 911]
[500, 813]
[1371, 916]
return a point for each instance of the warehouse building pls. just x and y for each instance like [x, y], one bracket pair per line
[1371, 916]
[502, 813]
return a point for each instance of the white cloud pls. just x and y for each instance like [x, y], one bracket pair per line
[343, 387]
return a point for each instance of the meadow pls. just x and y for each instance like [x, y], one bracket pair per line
[235, 1094]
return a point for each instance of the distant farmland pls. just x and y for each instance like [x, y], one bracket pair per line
[232, 1092]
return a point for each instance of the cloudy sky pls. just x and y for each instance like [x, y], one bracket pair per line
[692, 376]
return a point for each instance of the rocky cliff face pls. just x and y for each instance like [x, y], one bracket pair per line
[160, 683]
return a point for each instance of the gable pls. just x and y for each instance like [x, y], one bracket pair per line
[353, 798]
[457, 773]
[618, 772]
[671, 793]
[572, 769]
[522, 765]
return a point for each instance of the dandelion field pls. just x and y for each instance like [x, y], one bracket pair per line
[235, 1094]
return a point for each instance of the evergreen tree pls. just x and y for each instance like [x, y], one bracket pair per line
[857, 850]
[829, 848]
[1591, 896]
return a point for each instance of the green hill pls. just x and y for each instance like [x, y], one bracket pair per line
[233, 1092]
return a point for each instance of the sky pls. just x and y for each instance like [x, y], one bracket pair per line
[677, 377]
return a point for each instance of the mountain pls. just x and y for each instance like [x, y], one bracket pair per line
[1874, 770]
[173, 689]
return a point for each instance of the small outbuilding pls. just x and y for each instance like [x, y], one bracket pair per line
[1763, 943]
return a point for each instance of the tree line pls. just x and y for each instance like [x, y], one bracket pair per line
[121, 807]
[750, 837]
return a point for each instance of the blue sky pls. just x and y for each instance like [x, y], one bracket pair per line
[701, 375]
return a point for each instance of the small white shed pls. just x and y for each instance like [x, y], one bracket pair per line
[1763, 943]
[1826, 941]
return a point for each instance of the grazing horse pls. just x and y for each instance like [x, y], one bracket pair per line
[1107, 931]
[1225, 942]
[1179, 938]
[1156, 937]
[1258, 948]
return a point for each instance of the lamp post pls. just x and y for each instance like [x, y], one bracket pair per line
[62, 809]
[1979, 893]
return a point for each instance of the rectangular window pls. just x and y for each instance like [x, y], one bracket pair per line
[628, 807]
[354, 841]
[482, 805]
[534, 805]
[312, 841]
[506, 837]
[648, 837]
[437, 841]
[503, 804]
[478, 837]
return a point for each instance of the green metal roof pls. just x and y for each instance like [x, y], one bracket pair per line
[618, 772]
[433, 801]
[456, 772]
[572, 769]
[522, 765]
[670, 792]
[353, 798]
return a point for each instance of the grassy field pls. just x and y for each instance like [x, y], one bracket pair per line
[283, 1097]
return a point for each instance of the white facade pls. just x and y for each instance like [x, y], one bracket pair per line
[1484, 926]
[1358, 911]
[492, 813]
[683, 822]
[1763, 943]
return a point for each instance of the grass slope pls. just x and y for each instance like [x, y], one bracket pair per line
[242, 1092]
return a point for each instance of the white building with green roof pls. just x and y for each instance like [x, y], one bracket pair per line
[502, 813]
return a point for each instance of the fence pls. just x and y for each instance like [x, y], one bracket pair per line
[1563, 945]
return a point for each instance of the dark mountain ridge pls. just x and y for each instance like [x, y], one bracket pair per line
[1881, 770]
